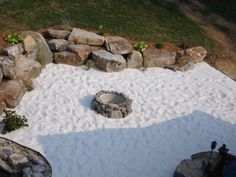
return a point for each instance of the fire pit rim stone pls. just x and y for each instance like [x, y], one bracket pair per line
[124, 107]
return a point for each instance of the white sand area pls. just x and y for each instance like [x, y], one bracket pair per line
[174, 115]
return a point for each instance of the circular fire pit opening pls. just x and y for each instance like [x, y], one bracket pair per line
[112, 104]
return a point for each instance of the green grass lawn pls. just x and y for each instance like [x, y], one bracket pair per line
[148, 20]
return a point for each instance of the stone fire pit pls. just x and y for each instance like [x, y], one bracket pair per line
[112, 104]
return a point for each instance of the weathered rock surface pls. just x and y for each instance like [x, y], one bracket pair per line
[118, 45]
[196, 54]
[192, 168]
[79, 36]
[5, 166]
[108, 62]
[7, 63]
[5, 152]
[17, 162]
[1, 74]
[14, 50]
[57, 34]
[68, 58]
[135, 60]
[97, 48]
[158, 58]
[189, 168]
[11, 92]
[182, 67]
[27, 69]
[31, 47]
[45, 55]
[83, 51]
[2, 106]
[112, 104]
[58, 45]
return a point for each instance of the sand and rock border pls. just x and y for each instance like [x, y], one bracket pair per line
[20, 64]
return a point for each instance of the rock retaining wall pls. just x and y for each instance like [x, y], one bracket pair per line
[21, 63]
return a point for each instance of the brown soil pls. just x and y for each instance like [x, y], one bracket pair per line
[3, 43]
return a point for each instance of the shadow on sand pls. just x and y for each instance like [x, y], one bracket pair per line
[152, 151]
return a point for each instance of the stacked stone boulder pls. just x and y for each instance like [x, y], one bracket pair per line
[19, 65]
[110, 53]
[115, 53]
[18, 160]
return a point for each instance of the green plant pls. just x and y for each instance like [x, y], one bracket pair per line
[89, 64]
[14, 38]
[67, 27]
[12, 121]
[101, 30]
[66, 24]
[159, 45]
[140, 46]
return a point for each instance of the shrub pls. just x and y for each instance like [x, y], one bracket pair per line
[101, 30]
[67, 27]
[140, 46]
[66, 24]
[14, 38]
[159, 45]
[89, 64]
[12, 121]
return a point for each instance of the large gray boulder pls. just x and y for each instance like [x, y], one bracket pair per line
[58, 45]
[14, 50]
[83, 51]
[118, 45]
[79, 36]
[11, 92]
[7, 64]
[135, 60]
[158, 58]
[57, 34]
[26, 69]
[45, 55]
[31, 47]
[193, 167]
[189, 168]
[68, 58]
[108, 62]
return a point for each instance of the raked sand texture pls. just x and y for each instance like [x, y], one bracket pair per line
[174, 115]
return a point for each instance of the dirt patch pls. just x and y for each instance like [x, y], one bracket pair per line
[3, 43]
